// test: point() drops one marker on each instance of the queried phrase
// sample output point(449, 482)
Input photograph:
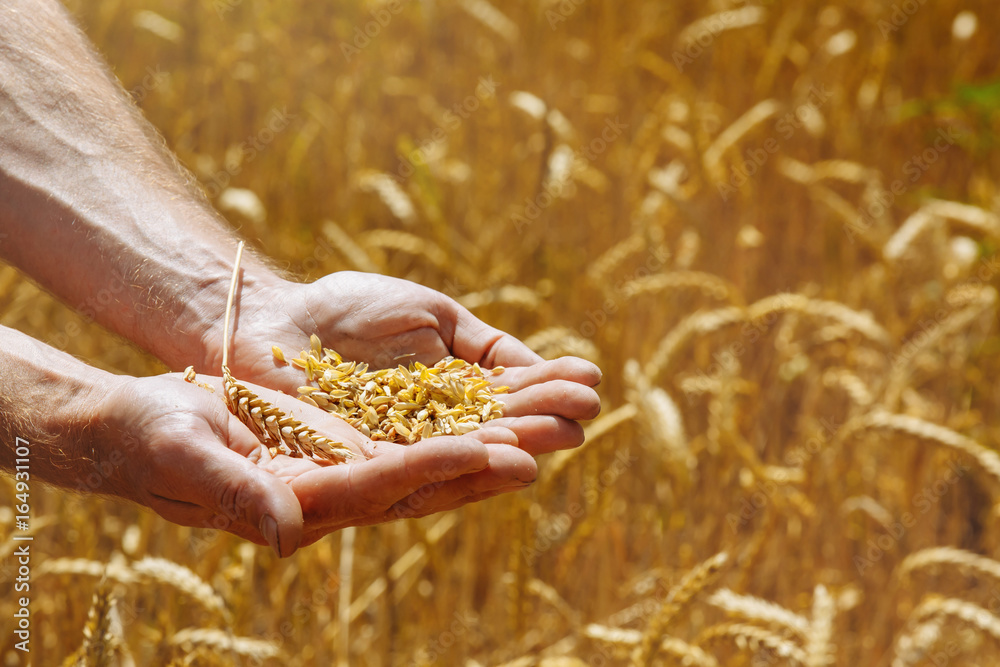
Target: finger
point(224, 482)
point(495, 432)
point(571, 369)
point(364, 488)
point(542, 434)
point(476, 341)
point(508, 467)
point(571, 400)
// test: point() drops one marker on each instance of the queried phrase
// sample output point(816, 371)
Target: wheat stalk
point(754, 638)
point(819, 646)
point(222, 642)
point(938, 607)
point(964, 561)
point(756, 609)
point(182, 579)
point(679, 597)
point(708, 284)
point(912, 646)
point(988, 459)
point(687, 654)
point(100, 646)
point(270, 424)
point(555, 342)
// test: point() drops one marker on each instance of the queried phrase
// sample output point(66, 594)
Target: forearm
point(94, 208)
point(48, 398)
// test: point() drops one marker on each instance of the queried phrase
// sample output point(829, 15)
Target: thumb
point(220, 488)
point(245, 494)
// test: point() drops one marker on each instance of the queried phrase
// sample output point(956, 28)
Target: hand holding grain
point(386, 321)
point(194, 463)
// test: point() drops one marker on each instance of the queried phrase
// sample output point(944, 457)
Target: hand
point(387, 321)
point(175, 447)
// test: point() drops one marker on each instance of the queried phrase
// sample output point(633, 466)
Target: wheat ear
point(272, 427)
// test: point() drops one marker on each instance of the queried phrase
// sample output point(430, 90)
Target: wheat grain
point(402, 404)
point(222, 642)
point(687, 654)
point(754, 638)
point(708, 284)
point(491, 17)
point(660, 413)
point(988, 459)
point(819, 646)
point(869, 506)
point(677, 599)
point(936, 210)
point(388, 190)
point(913, 646)
point(756, 115)
point(966, 562)
point(555, 342)
point(411, 244)
point(354, 253)
point(511, 295)
point(976, 616)
point(100, 646)
point(756, 609)
point(181, 578)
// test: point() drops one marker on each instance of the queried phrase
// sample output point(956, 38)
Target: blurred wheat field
point(775, 228)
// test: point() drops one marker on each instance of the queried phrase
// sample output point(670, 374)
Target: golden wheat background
point(773, 226)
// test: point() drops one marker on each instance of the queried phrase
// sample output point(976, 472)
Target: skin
point(99, 213)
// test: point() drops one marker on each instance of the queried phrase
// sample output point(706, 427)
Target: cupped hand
point(386, 321)
point(178, 450)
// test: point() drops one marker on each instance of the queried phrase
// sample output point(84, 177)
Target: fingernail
point(269, 529)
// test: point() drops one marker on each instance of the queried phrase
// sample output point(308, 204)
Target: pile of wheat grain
point(401, 404)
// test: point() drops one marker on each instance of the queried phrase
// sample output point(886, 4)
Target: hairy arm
point(93, 206)
point(46, 398)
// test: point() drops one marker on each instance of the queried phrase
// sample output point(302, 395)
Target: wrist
point(197, 337)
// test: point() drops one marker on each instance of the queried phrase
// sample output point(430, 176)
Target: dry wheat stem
point(281, 432)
